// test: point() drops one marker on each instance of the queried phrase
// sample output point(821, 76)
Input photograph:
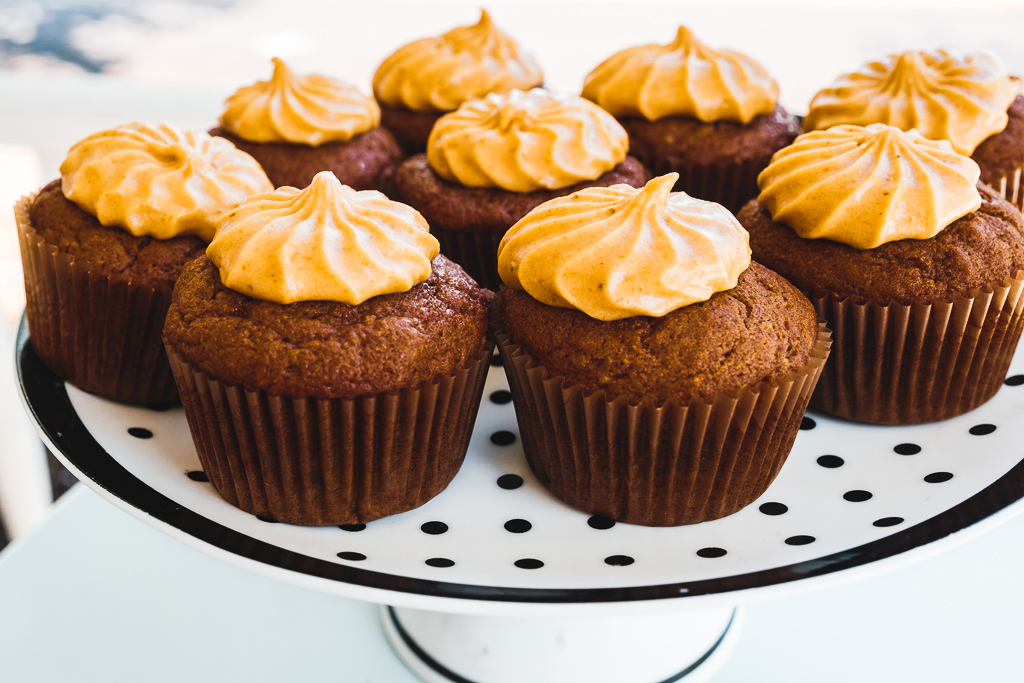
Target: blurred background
point(70, 68)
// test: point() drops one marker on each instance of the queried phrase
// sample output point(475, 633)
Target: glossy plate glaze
point(850, 497)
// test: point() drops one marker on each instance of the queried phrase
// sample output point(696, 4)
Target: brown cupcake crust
point(366, 162)
point(759, 330)
point(454, 207)
point(977, 250)
point(1002, 155)
point(410, 128)
point(146, 261)
point(328, 349)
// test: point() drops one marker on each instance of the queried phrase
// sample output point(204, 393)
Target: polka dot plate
point(849, 496)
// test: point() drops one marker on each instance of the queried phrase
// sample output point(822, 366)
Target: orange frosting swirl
point(526, 141)
point(683, 78)
point(326, 242)
point(466, 63)
point(616, 252)
point(945, 95)
point(868, 186)
point(308, 110)
point(159, 180)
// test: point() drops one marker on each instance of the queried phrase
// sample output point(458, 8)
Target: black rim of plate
point(50, 405)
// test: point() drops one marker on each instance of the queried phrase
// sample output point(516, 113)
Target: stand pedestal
point(442, 648)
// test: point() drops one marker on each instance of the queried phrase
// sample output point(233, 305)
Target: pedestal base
point(445, 648)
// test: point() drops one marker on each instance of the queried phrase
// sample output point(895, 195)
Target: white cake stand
point(496, 581)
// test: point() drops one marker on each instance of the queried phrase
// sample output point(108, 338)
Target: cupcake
point(330, 363)
point(915, 265)
point(103, 245)
point(659, 375)
point(493, 160)
point(712, 116)
point(297, 126)
point(966, 98)
point(428, 78)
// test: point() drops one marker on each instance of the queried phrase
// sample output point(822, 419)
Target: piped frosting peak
point(326, 242)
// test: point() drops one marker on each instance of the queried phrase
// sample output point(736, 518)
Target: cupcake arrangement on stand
point(330, 339)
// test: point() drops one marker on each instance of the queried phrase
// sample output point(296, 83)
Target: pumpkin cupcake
point(711, 116)
point(917, 267)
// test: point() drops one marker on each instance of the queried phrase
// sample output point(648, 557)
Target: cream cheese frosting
point(308, 110)
point(683, 78)
point(468, 62)
point(159, 180)
point(326, 242)
point(865, 186)
point(526, 141)
point(616, 252)
point(944, 94)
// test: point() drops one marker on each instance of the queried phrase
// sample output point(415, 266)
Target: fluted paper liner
point(330, 461)
point(656, 465)
point(100, 333)
point(1011, 187)
point(730, 184)
point(923, 362)
point(475, 251)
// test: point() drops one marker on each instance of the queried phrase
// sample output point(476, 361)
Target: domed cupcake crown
point(868, 186)
point(468, 62)
point(159, 180)
point(309, 110)
point(326, 242)
point(683, 78)
point(945, 95)
point(526, 141)
point(616, 252)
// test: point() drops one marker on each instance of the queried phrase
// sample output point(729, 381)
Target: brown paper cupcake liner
point(100, 333)
point(656, 465)
point(330, 461)
point(1011, 187)
point(923, 362)
point(476, 252)
point(731, 185)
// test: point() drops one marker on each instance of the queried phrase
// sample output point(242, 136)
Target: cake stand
point(496, 581)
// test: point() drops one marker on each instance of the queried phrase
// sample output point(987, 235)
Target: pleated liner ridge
point(658, 466)
point(730, 184)
point(100, 333)
point(1011, 187)
point(331, 461)
point(928, 361)
point(475, 251)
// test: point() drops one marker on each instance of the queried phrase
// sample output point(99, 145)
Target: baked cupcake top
point(326, 242)
point(617, 252)
point(468, 62)
point(944, 94)
point(308, 110)
point(683, 78)
point(865, 186)
point(158, 180)
point(526, 141)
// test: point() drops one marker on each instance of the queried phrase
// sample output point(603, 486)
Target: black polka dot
point(441, 562)
point(907, 449)
point(773, 509)
point(510, 481)
point(857, 496)
point(268, 520)
point(619, 560)
point(160, 407)
point(518, 526)
point(197, 475)
point(348, 555)
point(711, 552)
point(831, 461)
point(503, 438)
point(938, 477)
point(434, 528)
point(599, 522)
point(351, 527)
point(888, 521)
point(529, 563)
point(982, 429)
point(807, 423)
point(140, 432)
point(800, 540)
point(501, 397)
point(1015, 380)
point(496, 360)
